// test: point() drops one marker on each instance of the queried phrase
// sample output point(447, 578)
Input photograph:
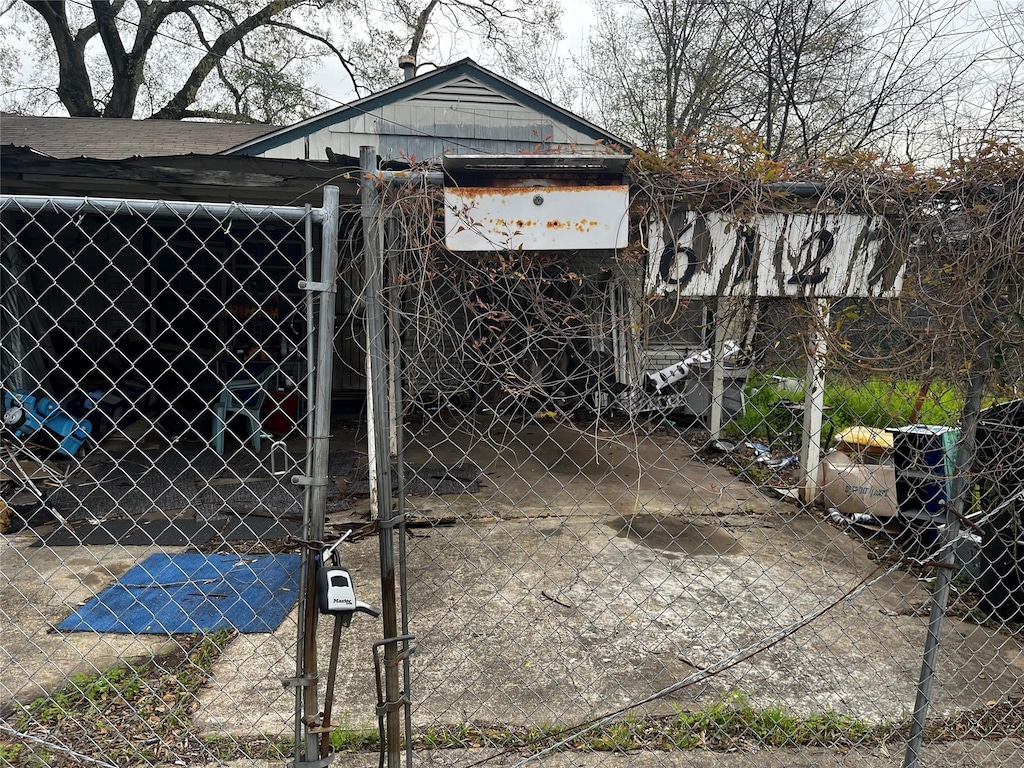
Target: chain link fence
point(157, 387)
point(626, 549)
point(606, 522)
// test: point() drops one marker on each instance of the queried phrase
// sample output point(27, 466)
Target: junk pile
point(36, 429)
point(905, 475)
point(26, 414)
point(72, 426)
point(882, 476)
point(25, 481)
point(676, 372)
point(687, 387)
point(1000, 473)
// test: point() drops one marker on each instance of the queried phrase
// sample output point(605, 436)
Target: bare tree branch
point(186, 95)
point(339, 54)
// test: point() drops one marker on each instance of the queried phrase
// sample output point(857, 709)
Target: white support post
point(721, 321)
point(814, 399)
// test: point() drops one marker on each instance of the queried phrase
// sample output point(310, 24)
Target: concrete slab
point(590, 570)
point(533, 622)
point(40, 587)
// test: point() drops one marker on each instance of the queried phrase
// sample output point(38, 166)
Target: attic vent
point(464, 91)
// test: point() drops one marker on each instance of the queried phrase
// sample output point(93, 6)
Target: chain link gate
point(165, 408)
point(601, 567)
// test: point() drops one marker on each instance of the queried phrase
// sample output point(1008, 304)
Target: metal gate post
point(380, 497)
point(959, 493)
point(316, 480)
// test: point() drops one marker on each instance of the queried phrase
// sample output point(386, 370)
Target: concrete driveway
point(588, 572)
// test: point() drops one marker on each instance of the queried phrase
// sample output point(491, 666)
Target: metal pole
point(317, 478)
point(178, 208)
point(966, 445)
point(300, 643)
point(373, 247)
point(371, 436)
point(394, 348)
point(380, 498)
point(395, 293)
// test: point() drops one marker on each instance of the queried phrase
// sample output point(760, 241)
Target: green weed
point(110, 713)
point(871, 403)
point(83, 695)
point(735, 721)
point(354, 739)
point(621, 736)
point(451, 737)
point(10, 752)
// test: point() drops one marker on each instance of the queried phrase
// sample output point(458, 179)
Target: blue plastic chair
point(243, 395)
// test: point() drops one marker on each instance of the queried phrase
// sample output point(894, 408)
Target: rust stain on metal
point(504, 223)
point(580, 226)
point(541, 216)
point(473, 193)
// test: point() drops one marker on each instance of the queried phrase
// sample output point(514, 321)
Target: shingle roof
point(118, 138)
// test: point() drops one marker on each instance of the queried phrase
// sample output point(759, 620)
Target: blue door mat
point(188, 593)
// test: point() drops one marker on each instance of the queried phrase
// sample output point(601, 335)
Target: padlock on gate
point(336, 595)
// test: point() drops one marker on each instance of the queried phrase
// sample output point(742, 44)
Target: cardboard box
point(854, 486)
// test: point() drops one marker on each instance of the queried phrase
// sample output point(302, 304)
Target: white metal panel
point(366, 123)
point(536, 218)
point(349, 144)
point(405, 118)
point(340, 143)
point(777, 254)
point(293, 150)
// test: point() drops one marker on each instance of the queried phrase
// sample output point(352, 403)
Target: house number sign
point(777, 254)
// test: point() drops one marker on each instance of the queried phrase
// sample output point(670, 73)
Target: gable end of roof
point(459, 81)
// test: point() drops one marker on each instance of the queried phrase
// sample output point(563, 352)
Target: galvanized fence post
point(317, 480)
point(946, 565)
point(380, 493)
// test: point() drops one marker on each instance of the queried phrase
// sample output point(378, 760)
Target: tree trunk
point(74, 89)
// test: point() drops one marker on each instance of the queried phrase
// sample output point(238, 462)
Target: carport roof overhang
point(192, 178)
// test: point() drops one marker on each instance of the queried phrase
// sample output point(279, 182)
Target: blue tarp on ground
point(186, 593)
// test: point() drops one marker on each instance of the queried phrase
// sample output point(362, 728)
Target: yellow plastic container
point(870, 440)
